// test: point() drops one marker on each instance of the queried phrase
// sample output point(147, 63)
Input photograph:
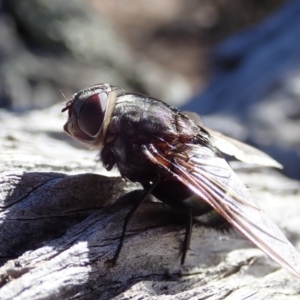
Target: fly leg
point(187, 236)
point(146, 193)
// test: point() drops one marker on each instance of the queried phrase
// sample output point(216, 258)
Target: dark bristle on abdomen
point(214, 221)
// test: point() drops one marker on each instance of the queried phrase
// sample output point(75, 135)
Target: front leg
point(146, 193)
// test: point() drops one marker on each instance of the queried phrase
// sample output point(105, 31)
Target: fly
point(179, 161)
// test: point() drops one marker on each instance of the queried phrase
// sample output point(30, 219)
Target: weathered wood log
point(39, 202)
point(58, 230)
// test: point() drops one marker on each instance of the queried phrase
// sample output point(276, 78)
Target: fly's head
point(89, 113)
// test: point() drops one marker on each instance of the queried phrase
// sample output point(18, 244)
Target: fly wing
point(233, 147)
point(209, 176)
point(242, 151)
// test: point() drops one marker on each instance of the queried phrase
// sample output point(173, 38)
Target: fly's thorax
point(144, 117)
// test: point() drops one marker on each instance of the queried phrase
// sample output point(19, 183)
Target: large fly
point(177, 160)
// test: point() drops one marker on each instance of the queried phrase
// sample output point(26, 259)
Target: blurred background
point(236, 63)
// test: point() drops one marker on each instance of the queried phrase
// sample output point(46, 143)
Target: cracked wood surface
point(59, 225)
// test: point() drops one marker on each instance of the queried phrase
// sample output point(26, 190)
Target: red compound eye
point(92, 112)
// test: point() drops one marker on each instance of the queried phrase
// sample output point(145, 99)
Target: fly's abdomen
point(182, 198)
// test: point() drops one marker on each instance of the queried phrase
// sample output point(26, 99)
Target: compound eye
point(92, 112)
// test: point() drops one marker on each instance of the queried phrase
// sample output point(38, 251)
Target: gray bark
point(60, 225)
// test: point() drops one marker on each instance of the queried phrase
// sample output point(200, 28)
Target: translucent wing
point(210, 177)
point(239, 150)
point(242, 151)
